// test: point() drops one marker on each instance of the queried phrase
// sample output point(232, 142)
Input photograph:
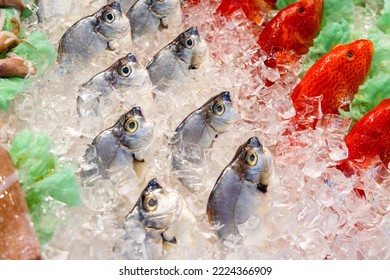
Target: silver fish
point(198, 132)
point(238, 192)
point(92, 35)
point(173, 62)
point(124, 74)
point(122, 144)
point(162, 216)
point(149, 16)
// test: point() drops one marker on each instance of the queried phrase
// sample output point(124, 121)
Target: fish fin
point(262, 188)
point(163, 24)
point(136, 159)
point(172, 240)
point(110, 47)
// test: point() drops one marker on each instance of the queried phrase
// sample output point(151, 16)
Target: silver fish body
point(238, 192)
point(173, 63)
point(149, 16)
point(122, 144)
point(92, 35)
point(197, 132)
point(124, 74)
point(163, 218)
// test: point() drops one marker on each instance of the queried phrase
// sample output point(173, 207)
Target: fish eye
point(189, 43)
point(150, 203)
point(219, 108)
point(251, 158)
point(109, 16)
point(350, 55)
point(301, 10)
point(124, 70)
point(131, 125)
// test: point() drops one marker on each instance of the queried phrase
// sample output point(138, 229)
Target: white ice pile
point(314, 212)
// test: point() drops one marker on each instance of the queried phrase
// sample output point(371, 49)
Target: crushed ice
point(314, 212)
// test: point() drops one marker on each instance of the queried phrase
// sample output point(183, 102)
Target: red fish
point(291, 33)
point(254, 10)
point(331, 83)
point(369, 139)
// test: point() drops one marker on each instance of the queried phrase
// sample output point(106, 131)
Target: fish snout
point(369, 45)
point(366, 49)
point(152, 185)
point(225, 95)
point(116, 6)
point(131, 58)
point(136, 111)
point(254, 142)
point(319, 7)
point(193, 31)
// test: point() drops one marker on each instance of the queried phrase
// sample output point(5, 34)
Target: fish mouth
point(254, 142)
point(319, 6)
point(153, 221)
point(370, 46)
point(136, 111)
point(367, 47)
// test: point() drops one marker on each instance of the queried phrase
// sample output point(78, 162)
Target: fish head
point(165, 8)
point(220, 112)
point(308, 17)
point(128, 73)
point(351, 62)
point(254, 163)
point(191, 48)
point(332, 82)
point(294, 28)
point(112, 22)
point(159, 208)
point(133, 131)
point(304, 18)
